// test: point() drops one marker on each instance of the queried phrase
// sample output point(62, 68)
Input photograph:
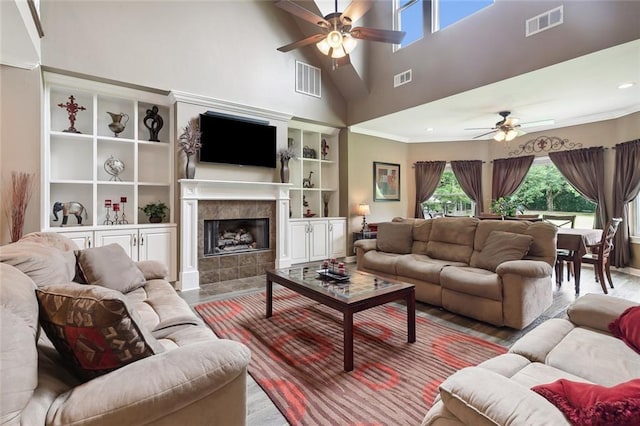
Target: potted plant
point(285, 155)
point(505, 206)
point(155, 211)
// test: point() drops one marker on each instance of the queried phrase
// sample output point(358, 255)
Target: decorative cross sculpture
point(72, 109)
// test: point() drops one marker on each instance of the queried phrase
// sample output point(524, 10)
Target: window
point(545, 190)
point(634, 219)
point(409, 17)
point(449, 198)
point(447, 12)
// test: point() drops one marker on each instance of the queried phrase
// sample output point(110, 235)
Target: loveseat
point(495, 271)
point(580, 349)
point(76, 351)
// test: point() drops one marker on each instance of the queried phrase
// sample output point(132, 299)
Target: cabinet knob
point(89, 242)
point(135, 241)
point(141, 240)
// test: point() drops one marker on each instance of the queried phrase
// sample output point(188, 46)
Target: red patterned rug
point(297, 358)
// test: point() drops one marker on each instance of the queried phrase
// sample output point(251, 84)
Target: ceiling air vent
point(544, 21)
point(308, 80)
point(402, 78)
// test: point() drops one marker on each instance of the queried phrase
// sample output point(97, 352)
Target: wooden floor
point(262, 412)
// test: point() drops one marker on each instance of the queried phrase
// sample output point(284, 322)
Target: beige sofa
point(580, 348)
point(192, 378)
point(444, 258)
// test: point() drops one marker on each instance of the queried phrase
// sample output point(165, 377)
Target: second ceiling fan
point(337, 36)
point(508, 128)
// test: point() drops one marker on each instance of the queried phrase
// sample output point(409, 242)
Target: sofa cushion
point(18, 336)
point(421, 267)
point(93, 328)
point(472, 281)
point(42, 263)
point(452, 238)
point(380, 261)
point(421, 232)
point(501, 247)
point(627, 327)
point(109, 266)
point(395, 237)
point(588, 403)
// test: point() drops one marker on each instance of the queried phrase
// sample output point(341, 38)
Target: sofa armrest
point(157, 387)
point(525, 268)
point(153, 270)
point(366, 245)
point(482, 397)
point(597, 310)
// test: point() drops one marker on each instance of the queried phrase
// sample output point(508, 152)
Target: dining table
point(577, 241)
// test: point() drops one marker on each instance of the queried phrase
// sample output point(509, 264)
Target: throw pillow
point(93, 328)
point(110, 266)
point(502, 246)
point(395, 237)
point(627, 327)
point(587, 403)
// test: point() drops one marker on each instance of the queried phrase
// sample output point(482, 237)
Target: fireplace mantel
point(193, 190)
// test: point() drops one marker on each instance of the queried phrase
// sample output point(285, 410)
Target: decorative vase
point(155, 219)
point(190, 168)
point(326, 209)
point(117, 126)
point(284, 170)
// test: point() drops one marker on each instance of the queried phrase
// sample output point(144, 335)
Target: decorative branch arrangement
point(16, 201)
point(545, 143)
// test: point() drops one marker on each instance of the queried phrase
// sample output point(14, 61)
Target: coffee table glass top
point(359, 285)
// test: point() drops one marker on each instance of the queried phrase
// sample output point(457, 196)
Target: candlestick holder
point(123, 219)
point(107, 219)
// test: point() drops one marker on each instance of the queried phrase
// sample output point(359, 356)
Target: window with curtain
point(545, 191)
point(409, 17)
point(449, 198)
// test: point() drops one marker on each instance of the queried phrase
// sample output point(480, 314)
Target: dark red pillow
point(627, 327)
point(590, 404)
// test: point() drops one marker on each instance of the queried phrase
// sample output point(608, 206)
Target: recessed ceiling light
point(429, 129)
point(626, 85)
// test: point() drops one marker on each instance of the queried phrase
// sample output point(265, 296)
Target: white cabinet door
point(157, 244)
point(83, 239)
point(318, 239)
point(337, 238)
point(127, 239)
point(299, 241)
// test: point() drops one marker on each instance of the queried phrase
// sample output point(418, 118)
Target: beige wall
point(20, 118)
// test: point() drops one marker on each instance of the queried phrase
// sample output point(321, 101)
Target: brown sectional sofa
point(195, 379)
point(580, 349)
point(444, 258)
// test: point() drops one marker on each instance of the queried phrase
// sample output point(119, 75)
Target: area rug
point(297, 358)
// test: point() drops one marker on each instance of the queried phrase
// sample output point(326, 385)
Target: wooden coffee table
point(362, 291)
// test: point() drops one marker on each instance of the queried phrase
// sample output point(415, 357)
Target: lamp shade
point(511, 135)
point(500, 136)
point(363, 209)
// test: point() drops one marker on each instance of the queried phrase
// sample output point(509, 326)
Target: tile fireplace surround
point(217, 199)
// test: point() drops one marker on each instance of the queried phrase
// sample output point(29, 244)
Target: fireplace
point(233, 236)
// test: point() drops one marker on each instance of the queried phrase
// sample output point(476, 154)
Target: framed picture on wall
point(386, 181)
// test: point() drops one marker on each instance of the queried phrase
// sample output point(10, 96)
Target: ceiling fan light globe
point(500, 136)
point(338, 53)
point(323, 46)
point(334, 39)
point(349, 43)
point(511, 135)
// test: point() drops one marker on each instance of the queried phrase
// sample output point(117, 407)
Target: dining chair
point(599, 255)
point(565, 221)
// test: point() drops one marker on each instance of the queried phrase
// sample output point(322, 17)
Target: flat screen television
point(231, 140)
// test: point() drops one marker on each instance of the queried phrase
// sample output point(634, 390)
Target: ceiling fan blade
point(301, 43)
point(484, 134)
point(303, 13)
point(373, 34)
point(355, 11)
point(548, 122)
point(480, 128)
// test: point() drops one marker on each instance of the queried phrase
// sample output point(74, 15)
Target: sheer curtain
point(584, 169)
point(626, 187)
point(508, 174)
point(428, 174)
point(469, 175)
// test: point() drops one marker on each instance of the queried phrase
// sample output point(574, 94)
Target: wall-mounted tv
point(235, 140)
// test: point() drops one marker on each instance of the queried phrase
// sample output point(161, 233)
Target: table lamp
point(363, 210)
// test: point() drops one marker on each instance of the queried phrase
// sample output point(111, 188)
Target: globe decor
point(114, 167)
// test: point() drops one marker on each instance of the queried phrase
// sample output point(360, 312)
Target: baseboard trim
point(629, 270)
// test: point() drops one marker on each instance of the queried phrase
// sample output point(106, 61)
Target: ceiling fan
point(337, 38)
point(508, 128)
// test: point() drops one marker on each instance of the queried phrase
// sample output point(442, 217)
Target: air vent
point(544, 21)
point(308, 80)
point(402, 78)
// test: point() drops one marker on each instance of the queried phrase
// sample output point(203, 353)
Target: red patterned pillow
point(590, 404)
point(627, 327)
point(93, 328)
